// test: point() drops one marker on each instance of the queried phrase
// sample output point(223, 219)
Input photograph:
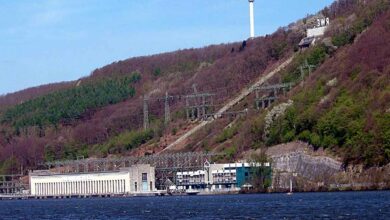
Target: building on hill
point(312, 34)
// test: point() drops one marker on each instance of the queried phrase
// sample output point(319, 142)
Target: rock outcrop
point(311, 170)
point(307, 169)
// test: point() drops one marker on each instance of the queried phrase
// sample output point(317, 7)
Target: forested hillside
point(342, 105)
point(69, 104)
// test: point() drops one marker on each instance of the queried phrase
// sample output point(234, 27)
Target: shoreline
point(227, 193)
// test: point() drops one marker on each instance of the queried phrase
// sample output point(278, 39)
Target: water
point(337, 205)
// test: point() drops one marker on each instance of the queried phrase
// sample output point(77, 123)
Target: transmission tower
point(196, 102)
point(167, 111)
point(305, 66)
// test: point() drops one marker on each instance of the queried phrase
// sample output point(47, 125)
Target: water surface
point(335, 205)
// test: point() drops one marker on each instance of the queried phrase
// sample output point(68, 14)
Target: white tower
point(252, 19)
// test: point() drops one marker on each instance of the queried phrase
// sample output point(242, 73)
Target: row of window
point(216, 179)
point(81, 187)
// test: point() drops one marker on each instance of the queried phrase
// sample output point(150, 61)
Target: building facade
point(124, 181)
point(142, 178)
point(230, 176)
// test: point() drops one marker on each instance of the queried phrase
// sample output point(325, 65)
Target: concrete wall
point(316, 32)
point(210, 175)
point(79, 184)
point(136, 173)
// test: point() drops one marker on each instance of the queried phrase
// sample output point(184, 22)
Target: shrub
point(135, 77)
point(313, 56)
point(125, 141)
point(157, 72)
point(230, 152)
point(174, 131)
point(227, 134)
point(304, 136)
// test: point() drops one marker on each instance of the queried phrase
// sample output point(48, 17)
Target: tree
point(261, 173)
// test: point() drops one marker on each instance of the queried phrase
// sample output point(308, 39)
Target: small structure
point(12, 184)
point(134, 179)
point(142, 178)
point(314, 33)
point(307, 42)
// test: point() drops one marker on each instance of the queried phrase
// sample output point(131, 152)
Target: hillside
point(342, 105)
point(95, 117)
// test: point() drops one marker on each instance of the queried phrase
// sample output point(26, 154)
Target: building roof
point(306, 42)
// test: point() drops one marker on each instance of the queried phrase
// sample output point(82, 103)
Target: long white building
point(135, 179)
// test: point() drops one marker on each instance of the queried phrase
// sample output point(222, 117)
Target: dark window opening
point(144, 177)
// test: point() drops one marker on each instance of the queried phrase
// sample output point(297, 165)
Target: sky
point(46, 41)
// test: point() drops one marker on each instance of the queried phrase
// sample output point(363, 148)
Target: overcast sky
point(44, 41)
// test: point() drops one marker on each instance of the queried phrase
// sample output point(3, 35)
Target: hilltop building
point(312, 34)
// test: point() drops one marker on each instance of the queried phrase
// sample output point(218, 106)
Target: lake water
point(335, 205)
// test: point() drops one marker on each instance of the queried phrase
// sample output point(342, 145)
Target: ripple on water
point(340, 205)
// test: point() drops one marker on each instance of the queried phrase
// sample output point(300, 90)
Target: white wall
point(316, 32)
point(80, 184)
point(44, 183)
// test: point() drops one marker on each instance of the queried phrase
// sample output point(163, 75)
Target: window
point(151, 185)
point(144, 177)
point(135, 186)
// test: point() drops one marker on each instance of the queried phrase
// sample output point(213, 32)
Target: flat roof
point(75, 174)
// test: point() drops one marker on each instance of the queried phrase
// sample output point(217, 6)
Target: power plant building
point(134, 179)
point(230, 176)
point(140, 179)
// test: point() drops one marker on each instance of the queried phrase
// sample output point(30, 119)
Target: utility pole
point(302, 74)
point(146, 113)
point(167, 113)
point(187, 108)
point(203, 106)
point(196, 101)
point(310, 67)
point(307, 65)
